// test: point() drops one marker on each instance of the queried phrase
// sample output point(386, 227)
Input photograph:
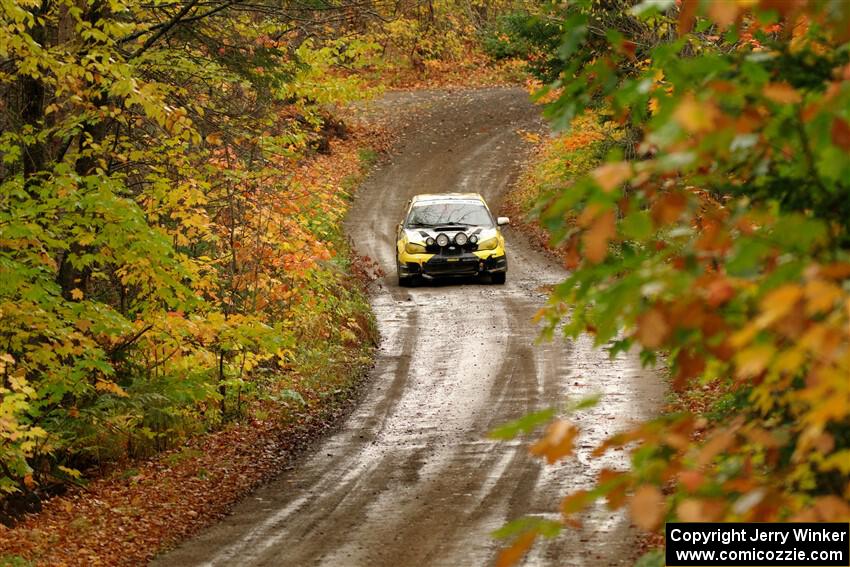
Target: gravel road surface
point(409, 479)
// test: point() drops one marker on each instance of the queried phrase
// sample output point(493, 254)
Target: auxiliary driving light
point(430, 241)
point(461, 238)
point(474, 239)
point(442, 240)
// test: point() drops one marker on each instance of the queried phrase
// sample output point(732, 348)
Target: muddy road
point(410, 479)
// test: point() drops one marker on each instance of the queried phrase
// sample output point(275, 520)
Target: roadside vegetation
point(708, 230)
point(557, 161)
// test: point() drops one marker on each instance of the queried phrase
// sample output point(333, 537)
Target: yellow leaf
point(6, 359)
point(70, 472)
point(778, 303)
point(695, 116)
point(745, 336)
point(531, 137)
point(789, 361)
point(111, 387)
point(753, 360)
point(653, 106)
point(821, 296)
point(77, 294)
point(647, 507)
point(838, 461)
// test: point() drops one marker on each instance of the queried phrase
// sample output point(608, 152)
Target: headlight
point(430, 241)
point(442, 240)
point(474, 239)
point(413, 248)
point(461, 238)
point(489, 244)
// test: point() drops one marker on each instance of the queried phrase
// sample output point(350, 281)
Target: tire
point(498, 278)
point(403, 281)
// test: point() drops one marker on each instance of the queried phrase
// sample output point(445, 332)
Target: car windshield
point(459, 213)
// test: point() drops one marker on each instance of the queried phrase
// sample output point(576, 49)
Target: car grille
point(443, 265)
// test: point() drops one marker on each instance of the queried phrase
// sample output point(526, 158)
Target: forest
point(163, 261)
point(173, 260)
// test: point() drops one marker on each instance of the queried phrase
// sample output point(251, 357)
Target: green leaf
point(525, 424)
point(654, 558)
point(637, 225)
point(541, 526)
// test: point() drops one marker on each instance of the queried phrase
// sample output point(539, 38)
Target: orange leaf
point(716, 445)
point(575, 502)
point(837, 270)
point(647, 507)
point(512, 555)
point(687, 14)
point(723, 13)
point(688, 365)
point(831, 509)
point(783, 93)
point(841, 133)
point(690, 510)
point(628, 48)
point(718, 291)
point(557, 442)
point(652, 328)
point(612, 175)
point(695, 116)
point(668, 208)
point(596, 238)
point(691, 480)
point(701, 510)
point(76, 294)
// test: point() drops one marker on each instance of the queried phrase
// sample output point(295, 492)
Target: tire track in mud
point(410, 478)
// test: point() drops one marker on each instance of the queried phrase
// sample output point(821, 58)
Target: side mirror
point(502, 221)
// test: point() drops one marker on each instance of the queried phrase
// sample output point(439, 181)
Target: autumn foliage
point(714, 240)
point(168, 261)
point(174, 181)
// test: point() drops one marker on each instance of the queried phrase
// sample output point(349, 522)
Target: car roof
point(443, 197)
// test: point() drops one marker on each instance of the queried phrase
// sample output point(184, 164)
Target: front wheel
point(403, 281)
point(498, 278)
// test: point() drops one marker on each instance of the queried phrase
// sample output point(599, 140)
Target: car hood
point(419, 235)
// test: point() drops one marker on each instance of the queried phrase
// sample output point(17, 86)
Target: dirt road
point(409, 479)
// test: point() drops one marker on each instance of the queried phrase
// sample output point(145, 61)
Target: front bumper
point(439, 265)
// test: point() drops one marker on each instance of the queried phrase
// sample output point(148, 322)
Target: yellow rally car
point(450, 234)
